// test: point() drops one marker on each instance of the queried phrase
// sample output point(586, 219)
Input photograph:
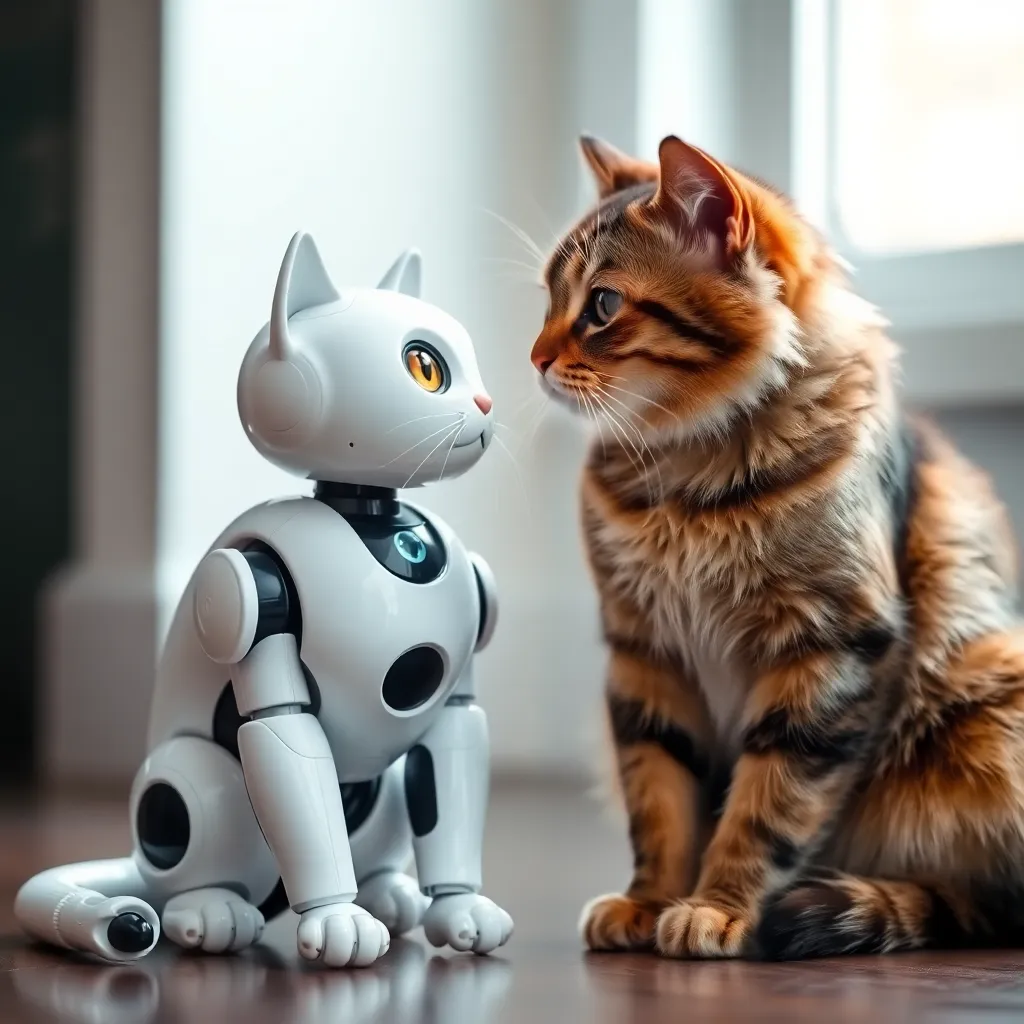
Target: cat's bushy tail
point(840, 914)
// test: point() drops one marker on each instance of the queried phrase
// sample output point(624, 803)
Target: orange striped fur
point(816, 668)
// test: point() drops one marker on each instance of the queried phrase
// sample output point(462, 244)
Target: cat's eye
point(605, 303)
point(425, 367)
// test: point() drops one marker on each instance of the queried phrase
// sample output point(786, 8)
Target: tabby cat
point(816, 678)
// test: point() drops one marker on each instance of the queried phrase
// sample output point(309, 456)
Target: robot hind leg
point(382, 852)
point(199, 846)
point(199, 868)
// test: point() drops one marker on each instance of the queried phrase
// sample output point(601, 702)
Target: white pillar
point(98, 613)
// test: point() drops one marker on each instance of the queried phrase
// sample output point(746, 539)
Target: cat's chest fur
point(683, 589)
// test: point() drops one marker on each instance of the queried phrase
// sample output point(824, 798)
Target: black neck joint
point(358, 499)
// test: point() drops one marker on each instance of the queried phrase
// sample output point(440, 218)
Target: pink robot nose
point(483, 403)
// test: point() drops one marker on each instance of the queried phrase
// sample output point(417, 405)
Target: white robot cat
point(313, 723)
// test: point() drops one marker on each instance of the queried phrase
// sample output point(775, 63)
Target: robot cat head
point(368, 386)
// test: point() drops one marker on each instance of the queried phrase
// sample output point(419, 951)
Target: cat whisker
point(540, 408)
point(423, 440)
point(642, 398)
point(531, 246)
point(519, 478)
point(619, 431)
point(632, 426)
point(642, 469)
point(512, 262)
point(642, 439)
point(553, 231)
point(527, 274)
point(579, 248)
point(593, 416)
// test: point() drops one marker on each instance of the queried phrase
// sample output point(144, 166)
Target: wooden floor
point(548, 850)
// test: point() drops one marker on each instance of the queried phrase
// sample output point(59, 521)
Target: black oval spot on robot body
point(130, 933)
point(162, 825)
point(413, 679)
point(420, 790)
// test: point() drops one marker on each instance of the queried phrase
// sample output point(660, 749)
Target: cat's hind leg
point(838, 914)
point(381, 838)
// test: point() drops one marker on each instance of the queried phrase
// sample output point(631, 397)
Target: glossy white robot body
point(313, 725)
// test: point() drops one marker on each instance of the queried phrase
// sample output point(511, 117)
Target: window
point(929, 123)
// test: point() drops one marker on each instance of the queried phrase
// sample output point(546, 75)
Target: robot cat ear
point(302, 282)
point(404, 274)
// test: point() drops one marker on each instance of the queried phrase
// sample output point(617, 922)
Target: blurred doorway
point(36, 296)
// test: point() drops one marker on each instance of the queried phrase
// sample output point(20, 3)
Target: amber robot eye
point(425, 367)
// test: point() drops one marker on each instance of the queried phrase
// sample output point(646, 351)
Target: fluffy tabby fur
point(816, 680)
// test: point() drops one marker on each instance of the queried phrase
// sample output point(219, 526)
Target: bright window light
point(929, 123)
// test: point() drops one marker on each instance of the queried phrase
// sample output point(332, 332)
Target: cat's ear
point(302, 282)
point(612, 169)
point(701, 194)
point(405, 274)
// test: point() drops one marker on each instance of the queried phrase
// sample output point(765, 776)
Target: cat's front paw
point(702, 931)
point(616, 922)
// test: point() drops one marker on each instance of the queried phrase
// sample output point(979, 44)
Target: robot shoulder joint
point(240, 597)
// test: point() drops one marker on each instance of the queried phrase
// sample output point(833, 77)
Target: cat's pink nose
point(483, 403)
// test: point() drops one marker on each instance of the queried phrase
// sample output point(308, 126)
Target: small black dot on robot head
point(351, 444)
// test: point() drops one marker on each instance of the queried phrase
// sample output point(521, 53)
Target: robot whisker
point(448, 426)
point(451, 448)
point(453, 434)
point(419, 419)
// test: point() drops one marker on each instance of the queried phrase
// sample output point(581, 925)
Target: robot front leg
point(287, 761)
point(293, 786)
point(447, 781)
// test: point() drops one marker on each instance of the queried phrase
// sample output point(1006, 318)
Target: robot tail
point(94, 907)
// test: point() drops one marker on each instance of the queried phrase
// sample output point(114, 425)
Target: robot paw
point(394, 899)
point(214, 920)
point(467, 921)
point(342, 935)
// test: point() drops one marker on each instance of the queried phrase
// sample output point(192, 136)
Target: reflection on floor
point(549, 848)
